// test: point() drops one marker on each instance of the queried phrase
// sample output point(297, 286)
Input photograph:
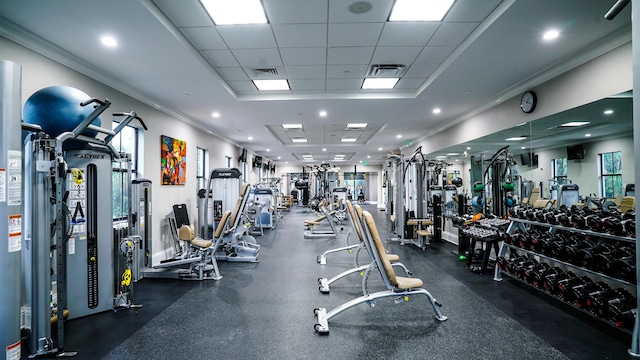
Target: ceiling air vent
point(265, 73)
point(386, 70)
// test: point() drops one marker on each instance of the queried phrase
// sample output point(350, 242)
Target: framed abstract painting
point(173, 162)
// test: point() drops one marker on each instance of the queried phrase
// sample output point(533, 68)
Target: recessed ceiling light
point(225, 12)
point(292, 126)
point(109, 41)
point(299, 140)
point(399, 136)
point(420, 10)
point(468, 147)
point(216, 114)
point(379, 149)
point(271, 85)
point(436, 111)
point(523, 147)
point(587, 135)
point(324, 149)
point(516, 138)
point(356, 125)
point(322, 113)
point(379, 83)
point(550, 35)
point(307, 156)
point(286, 162)
point(268, 150)
point(349, 140)
point(279, 157)
point(250, 138)
point(368, 156)
point(339, 155)
point(453, 154)
point(608, 112)
point(574, 123)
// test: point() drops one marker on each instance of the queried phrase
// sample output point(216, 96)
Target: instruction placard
point(14, 178)
point(13, 351)
point(15, 232)
point(3, 185)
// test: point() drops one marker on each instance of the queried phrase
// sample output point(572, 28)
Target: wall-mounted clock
point(528, 102)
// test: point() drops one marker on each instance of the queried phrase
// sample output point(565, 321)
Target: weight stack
point(10, 208)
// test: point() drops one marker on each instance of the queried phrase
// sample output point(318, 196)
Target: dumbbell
point(506, 238)
point(578, 221)
point(524, 267)
point(620, 309)
point(565, 287)
point(604, 259)
point(542, 242)
point(520, 240)
point(597, 300)
point(512, 265)
point(529, 273)
point(630, 228)
point(550, 282)
point(586, 257)
point(502, 263)
point(625, 268)
point(595, 223)
point(580, 292)
point(556, 245)
point(538, 277)
point(570, 250)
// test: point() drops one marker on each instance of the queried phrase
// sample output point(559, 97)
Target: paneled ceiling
point(172, 57)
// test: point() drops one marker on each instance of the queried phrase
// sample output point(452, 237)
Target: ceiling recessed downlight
point(574, 123)
point(550, 35)
point(225, 12)
point(437, 111)
point(299, 140)
point(608, 112)
point(322, 113)
point(420, 10)
point(379, 83)
point(109, 41)
point(216, 114)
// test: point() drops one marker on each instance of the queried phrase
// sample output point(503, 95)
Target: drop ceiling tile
point(305, 72)
point(306, 85)
point(452, 34)
point(184, 13)
point(258, 57)
point(407, 33)
point(420, 70)
point(204, 38)
point(395, 55)
point(349, 55)
point(344, 84)
point(220, 58)
point(471, 10)
point(346, 71)
point(339, 11)
point(232, 73)
point(280, 73)
point(243, 87)
point(434, 54)
point(304, 56)
point(409, 83)
point(300, 35)
point(354, 34)
point(296, 12)
point(256, 36)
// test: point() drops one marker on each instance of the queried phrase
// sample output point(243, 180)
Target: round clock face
point(528, 102)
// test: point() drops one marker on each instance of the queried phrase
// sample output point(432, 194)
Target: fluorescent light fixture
point(574, 123)
point(399, 136)
point(516, 138)
point(356, 125)
point(109, 41)
point(250, 138)
point(299, 140)
point(271, 85)
point(292, 126)
point(379, 83)
point(550, 35)
point(523, 147)
point(453, 154)
point(225, 12)
point(268, 150)
point(307, 156)
point(468, 147)
point(420, 10)
point(349, 140)
point(608, 112)
point(340, 156)
point(379, 149)
point(587, 135)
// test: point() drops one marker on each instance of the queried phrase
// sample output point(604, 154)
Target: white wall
point(39, 72)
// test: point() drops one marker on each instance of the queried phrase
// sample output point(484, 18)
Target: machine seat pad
point(185, 233)
point(393, 257)
point(201, 243)
point(311, 222)
point(405, 283)
point(423, 232)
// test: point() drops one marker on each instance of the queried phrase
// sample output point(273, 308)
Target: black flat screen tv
point(575, 152)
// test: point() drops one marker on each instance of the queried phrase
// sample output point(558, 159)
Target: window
point(227, 161)
point(244, 171)
point(202, 167)
point(125, 142)
point(610, 169)
point(559, 170)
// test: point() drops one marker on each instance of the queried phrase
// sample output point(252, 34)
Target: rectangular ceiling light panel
point(271, 85)
point(379, 83)
point(235, 12)
point(420, 10)
point(292, 126)
point(356, 125)
point(299, 140)
point(349, 139)
point(574, 123)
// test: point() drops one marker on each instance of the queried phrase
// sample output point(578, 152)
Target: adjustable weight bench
point(401, 288)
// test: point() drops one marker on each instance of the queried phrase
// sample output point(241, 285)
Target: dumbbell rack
point(517, 223)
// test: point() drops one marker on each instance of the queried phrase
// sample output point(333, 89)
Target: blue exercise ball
point(57, 110)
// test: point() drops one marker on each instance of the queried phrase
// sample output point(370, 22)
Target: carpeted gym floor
point(265, 311)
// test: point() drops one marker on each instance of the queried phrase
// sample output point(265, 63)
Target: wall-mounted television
point(529, 159)
point(575, 152)
point(257, 161)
